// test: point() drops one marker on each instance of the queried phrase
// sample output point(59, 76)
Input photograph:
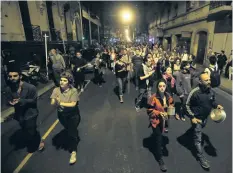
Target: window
point(189, 5)
point(168, 14)
point(176, 9)
point(201, 3)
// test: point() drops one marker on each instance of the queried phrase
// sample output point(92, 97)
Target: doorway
point(169, 43)
point(202, 41)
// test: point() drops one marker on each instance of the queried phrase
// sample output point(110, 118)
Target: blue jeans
point(136, 77)
point(142, 93)
point(121, 85)
point(197, 137)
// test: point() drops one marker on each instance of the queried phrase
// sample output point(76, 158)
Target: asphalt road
point(116, 139)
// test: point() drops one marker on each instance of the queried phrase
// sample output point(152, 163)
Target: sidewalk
point(8, 110)
point(226, 85)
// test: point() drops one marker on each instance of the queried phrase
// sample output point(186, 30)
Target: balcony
point(219, 9)
point(36, 31)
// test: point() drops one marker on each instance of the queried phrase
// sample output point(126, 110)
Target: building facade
point(30, 20)
point(197, 25)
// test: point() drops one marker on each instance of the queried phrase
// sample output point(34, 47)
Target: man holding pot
point(200, 102)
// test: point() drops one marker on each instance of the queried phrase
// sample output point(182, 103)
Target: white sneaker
point(82, 90)
point(137, 108)
point(73, 157)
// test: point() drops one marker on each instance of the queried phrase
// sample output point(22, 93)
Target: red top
point(156, 106)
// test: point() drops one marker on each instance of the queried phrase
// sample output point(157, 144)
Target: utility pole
point(46, 55)
point(81, 22)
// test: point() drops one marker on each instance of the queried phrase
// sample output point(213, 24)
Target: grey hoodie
point(183, 83)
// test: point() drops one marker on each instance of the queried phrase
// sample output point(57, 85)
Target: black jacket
point(27, 106)
point(200, 103)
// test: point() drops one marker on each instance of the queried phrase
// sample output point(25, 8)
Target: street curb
point(6, 113)
point(227, 90)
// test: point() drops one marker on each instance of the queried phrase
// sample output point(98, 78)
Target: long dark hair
point(161, 80)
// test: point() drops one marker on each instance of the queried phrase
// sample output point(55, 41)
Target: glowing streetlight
point(126, 16)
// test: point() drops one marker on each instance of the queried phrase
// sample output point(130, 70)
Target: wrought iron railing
point(57, 34)
point(216, 4)
point(69, 36)
point(36, 32)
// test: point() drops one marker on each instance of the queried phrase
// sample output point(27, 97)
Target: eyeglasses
point(162, 86)
point(10, 76)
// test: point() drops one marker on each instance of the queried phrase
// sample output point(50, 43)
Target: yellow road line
point(25, 160)
point(50, 129)
point(28, 156)
point(23, 163)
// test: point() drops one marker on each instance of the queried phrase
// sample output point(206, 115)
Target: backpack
point(214, 77)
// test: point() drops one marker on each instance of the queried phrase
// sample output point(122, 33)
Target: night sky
point(108, 11)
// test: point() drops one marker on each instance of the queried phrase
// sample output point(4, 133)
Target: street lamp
point(126, 16)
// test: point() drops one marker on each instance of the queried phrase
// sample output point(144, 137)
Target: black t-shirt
point(105, 57)
point(142, 83)
point(78, 62)
point(122, 74)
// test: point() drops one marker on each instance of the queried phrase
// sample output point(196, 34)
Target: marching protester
point(183, 86)
point(222, 60)
point(23, 97)
point(137, 61)
point(213, 72)
point(195, 73)
point(176, 67)
point(170, 80)
point(98, 71)
point(228, 69)
point(157, 111)
point(66, 98)
point(113, 57)
point(58, 65)
point(106, 58)
point(199, 104)
point(127, 60)
point(121, 75)
point(79, 64)
point(145, 74)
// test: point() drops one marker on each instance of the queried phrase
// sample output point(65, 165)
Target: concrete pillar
point(164, 43)
point(174, 41)
point(98, 33)
point(74, 30)
point(90, 38)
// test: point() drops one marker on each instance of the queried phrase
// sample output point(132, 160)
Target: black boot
point(162, 165)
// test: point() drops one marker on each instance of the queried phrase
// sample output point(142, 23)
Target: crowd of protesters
point(170, 72)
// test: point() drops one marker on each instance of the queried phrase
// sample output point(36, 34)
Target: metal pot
point(171, 111)
point(218, 115)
